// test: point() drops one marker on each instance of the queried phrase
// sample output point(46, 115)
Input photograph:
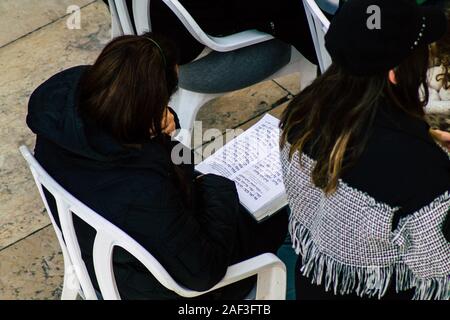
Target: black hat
point(372, 36)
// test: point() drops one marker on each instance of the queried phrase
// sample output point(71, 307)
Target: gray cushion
point(228, 71)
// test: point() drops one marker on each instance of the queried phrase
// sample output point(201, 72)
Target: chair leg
point(116, 29)
point(69, 291)
point(271, 284)
point(71, 285)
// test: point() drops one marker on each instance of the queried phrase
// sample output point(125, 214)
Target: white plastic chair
point(318, 25)
point(270, 271)
point(187, 103)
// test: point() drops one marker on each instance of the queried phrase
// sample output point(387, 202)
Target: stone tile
point(276, 112)
point(291, 83)
point(28, 63)
point(296, 81)
point(32, 268)
point(20, 17)
point(233, 109)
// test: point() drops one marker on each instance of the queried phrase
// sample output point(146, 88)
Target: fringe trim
point(426, 289)
point(367, 281)
point(432, 206)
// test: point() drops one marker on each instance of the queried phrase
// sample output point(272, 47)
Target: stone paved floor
point(34, 44)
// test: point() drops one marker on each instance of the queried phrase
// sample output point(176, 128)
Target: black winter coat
point(136, 190)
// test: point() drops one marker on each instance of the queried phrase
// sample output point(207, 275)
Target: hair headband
point(159, 48)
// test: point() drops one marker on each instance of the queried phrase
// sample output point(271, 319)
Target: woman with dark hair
point(103, 132)
point(368, 187)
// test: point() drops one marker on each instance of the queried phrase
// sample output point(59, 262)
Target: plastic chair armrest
point(222, 44)
point(239, 40)
point(271, 273)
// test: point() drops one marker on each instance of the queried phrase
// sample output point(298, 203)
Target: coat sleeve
point(195, 247)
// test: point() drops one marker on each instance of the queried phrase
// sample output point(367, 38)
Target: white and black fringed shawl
point(349, 234)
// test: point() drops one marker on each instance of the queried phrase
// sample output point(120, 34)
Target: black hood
point(53, 115)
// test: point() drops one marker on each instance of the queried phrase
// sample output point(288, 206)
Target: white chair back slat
point(318, 25)
point(116, 27)
point(124, 17)
point(70, 239)
point(71, 286)
point(42, 179)
point(47, 207)
point(68, 265)
point(103, 265)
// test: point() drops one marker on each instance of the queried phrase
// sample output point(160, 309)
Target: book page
point(260, 183)
point(252, 161)
point(250, 147)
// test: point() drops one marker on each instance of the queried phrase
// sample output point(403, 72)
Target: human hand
point(441, 136)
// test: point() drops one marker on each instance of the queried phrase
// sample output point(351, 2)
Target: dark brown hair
point(128, 88)
point(333, 116)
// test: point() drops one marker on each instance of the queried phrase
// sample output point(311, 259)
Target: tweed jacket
point(387, 222)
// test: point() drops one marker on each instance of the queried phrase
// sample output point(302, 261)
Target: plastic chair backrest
point(108, 236)
point(141, 14)
point(120, 10)
point(318, 25)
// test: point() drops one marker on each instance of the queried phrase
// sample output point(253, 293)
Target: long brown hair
point(333, 116)
point(128, 88)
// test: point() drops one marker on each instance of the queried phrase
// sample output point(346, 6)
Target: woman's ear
point(392, 77)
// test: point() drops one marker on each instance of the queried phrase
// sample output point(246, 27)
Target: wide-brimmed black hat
point(367, 37)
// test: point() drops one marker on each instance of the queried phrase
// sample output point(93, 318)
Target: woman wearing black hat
point(369, 189)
